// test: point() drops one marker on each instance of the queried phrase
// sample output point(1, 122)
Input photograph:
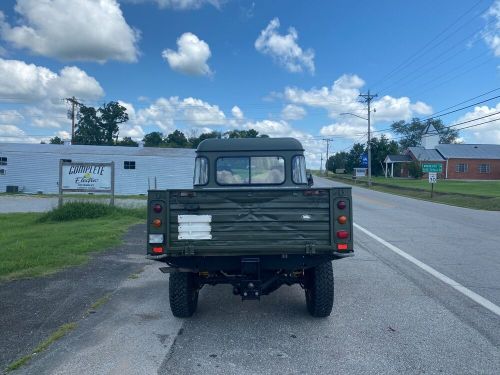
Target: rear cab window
point(254, 170)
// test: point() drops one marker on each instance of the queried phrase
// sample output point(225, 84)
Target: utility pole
point(327, 140)
point(321, 165)
point(367, 99)
point(74, 102)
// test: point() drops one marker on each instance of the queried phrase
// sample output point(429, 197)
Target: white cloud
point(284, 48)
point(10, 130)
point(83, 30)
point(491, 35)
point(64, 135)
point(487, 133)
point(10, 116)
point(31, 83)
point(165, 113)
point(293, 112)
point(343, 97)
point(237, 113)
point(181, 4)
point(130, 128)
point(200, 113)
point(421, 108)
point(352, 130)
point(191, 56)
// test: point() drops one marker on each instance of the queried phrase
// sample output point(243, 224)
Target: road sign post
point(432, 181)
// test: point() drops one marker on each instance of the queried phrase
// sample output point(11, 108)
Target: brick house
point(459, 161)
point(471, 162)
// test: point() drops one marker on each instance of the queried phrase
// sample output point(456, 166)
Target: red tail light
point(341, 205)
point(157, 208)
point(342, 246)
point(158, 250)
point(343, 234)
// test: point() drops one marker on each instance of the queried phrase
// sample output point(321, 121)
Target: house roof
point(250, 144)
point(99, 150)
point(422, 154)
point(397, 159)
point(469, 151)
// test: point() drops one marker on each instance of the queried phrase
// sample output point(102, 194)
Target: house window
point(484, 168)
point(3, 172)
point(3, 160)
point(129, 165)
point(461, 168)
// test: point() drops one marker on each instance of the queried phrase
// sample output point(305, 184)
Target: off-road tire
point(183, 290)
point(319, 290)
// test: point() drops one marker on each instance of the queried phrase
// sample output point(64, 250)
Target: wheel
point(183, 290)
point(319, 290)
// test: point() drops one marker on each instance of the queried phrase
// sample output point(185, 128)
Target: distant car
point(252, 220)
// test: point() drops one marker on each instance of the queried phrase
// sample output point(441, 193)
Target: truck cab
point(252, 220)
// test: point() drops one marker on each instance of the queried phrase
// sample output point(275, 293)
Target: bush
point(415, 170)
point(89, 210)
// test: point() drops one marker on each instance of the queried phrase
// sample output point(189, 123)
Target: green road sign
point(435, 167)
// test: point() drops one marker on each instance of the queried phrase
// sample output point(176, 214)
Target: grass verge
point(33, 244)
point(58, 334)
point(456, 193)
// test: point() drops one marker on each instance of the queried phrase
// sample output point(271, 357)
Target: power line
point(465, 101)
point(414, 57)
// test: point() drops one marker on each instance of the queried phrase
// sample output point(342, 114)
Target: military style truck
point(252, 220)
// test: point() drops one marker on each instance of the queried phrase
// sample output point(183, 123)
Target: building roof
point(430, 129)
point(99, 150)
point(250, 144)
point(422, 154)
point(397, 159)
point(469, 151)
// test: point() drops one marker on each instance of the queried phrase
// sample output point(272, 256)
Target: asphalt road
point(390, 315)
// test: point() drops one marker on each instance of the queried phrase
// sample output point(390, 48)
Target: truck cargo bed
point(251, 222)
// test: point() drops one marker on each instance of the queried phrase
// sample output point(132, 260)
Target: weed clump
point(88, 210)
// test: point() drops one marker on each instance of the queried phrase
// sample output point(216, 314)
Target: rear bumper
point(233, 263)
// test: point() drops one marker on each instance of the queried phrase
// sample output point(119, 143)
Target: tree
point(111, 115)
point(153, 139)
point(56, 141)
point(99, 127)
point(381, 147)
point(415, 170)
point(411, 132)
point(176, 139)
point(195, 141)
point(354, 157)
point(127, 141)
point(88, 130)
point(337, 161)
point(250, 133)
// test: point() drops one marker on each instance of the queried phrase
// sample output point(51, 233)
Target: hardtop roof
point(250, 144)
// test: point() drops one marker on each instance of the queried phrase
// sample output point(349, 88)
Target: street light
point(368, 144)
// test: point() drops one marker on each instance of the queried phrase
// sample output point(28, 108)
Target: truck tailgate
point(258, 221)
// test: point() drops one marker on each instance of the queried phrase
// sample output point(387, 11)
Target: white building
point(35, 167)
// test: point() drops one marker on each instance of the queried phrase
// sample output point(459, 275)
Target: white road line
point(445, 279)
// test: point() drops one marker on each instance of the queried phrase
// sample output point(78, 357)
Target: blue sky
point(286, 68)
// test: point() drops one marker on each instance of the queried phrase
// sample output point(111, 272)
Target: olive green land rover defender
point(252, 220)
